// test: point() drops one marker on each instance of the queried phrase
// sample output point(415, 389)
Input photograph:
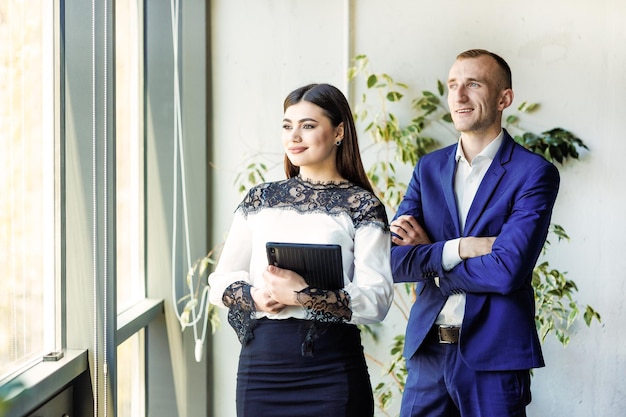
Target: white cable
point(181, 150)
point(179, 154)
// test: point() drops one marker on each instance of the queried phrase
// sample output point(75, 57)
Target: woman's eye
point(307, 126)
point(286, 127)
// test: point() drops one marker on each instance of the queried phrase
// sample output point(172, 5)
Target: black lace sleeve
point(241, 310)
point(325, 306)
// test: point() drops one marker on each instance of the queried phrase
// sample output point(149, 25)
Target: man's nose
point(460, 94)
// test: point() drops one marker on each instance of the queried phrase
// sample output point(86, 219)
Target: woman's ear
point(339, 132)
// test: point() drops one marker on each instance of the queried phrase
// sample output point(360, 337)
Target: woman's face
point(309, 139)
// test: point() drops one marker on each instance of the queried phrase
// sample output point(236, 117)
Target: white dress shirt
point(467, 179)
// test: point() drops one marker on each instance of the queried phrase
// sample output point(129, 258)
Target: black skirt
point(275, 378)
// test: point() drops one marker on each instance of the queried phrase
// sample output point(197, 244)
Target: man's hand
point(283, 284)
point(472, 247)
point(407, 231)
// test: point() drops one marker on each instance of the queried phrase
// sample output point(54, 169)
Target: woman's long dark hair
point(337, 109)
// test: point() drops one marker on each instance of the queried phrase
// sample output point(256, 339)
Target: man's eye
point(472, 85)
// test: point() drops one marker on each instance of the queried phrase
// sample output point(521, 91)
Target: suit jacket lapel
point(489, 184)
point(447, 170)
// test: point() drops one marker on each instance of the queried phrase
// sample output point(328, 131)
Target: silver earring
point(338, 143)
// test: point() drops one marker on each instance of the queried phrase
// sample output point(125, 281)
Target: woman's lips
point(297, 149)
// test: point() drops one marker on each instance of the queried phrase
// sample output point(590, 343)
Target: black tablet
point(319, 264)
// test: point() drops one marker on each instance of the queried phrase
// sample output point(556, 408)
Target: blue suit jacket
point(514, 202)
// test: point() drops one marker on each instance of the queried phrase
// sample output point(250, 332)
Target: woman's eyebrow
point(303, 120)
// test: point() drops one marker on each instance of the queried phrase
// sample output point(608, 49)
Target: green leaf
point(387, 78)
point(371, 81)
point(512, 119)
point(440, 88)
point(394, 96)
point(352, 73)
point(591, 314)
point(532, 107)
point(573, 314)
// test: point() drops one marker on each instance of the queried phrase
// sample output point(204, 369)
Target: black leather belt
point(447, 334)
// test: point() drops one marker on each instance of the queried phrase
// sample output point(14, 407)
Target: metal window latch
point(53, 356)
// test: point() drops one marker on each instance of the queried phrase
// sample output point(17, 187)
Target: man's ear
point(506, 98)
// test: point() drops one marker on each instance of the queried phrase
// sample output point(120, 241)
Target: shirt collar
point(489, 152)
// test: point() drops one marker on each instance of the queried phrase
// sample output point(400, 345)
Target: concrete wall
point(568, 55)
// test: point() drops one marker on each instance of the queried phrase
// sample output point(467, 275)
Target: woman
point(301, 350)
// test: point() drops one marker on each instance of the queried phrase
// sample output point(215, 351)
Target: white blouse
point(299, 211)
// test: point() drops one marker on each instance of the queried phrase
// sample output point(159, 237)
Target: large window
point(129, 152)
point(27, 183)
point(86, 134)
point(129, 139)
point(131, 377)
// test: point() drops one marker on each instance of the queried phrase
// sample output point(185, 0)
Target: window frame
point(80, 222)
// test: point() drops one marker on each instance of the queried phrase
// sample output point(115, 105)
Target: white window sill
point(43, 380)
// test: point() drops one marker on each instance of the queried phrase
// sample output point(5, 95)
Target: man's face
point(476, 95)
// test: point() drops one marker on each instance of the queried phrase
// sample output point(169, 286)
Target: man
point(469, 232)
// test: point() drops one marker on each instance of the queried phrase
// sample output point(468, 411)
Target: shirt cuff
point(450, 256)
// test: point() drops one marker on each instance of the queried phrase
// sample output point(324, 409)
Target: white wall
point(568, 55)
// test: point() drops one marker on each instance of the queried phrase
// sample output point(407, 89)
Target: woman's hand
point(283, 284)
point(264, 302)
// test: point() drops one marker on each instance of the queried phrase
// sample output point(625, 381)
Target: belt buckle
point(443, 328)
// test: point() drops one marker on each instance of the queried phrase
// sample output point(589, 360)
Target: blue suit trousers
point(440, 384)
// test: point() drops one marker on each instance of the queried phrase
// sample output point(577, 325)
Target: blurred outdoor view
point(26, 182)
point(129, 198)
point(28, 175)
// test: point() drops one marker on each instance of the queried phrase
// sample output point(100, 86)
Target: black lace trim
point(323, 308)
point(334, 198)
point(241, 310)
point(326, 306)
